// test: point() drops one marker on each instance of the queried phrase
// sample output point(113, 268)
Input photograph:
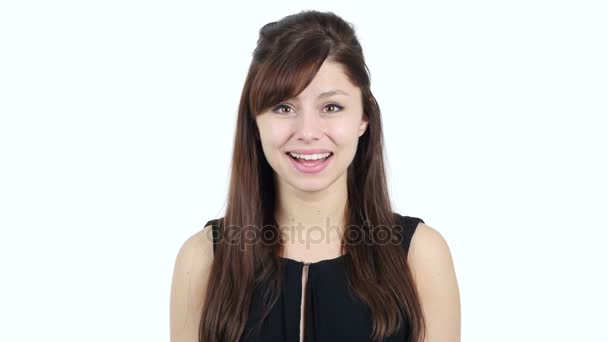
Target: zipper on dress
point(304, 300)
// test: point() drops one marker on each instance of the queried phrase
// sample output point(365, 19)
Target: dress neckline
point(313, 263)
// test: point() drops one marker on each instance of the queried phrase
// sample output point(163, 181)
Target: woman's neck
point(323, 209)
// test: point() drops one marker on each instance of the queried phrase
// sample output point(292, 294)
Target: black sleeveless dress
point(332, 313)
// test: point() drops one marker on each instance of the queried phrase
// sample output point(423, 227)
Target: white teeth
point(310, 156)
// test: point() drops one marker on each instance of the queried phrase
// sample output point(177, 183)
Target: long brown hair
point(289, 53)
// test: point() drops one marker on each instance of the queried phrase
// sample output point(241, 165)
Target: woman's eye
point(337, 107)
point(277, 109)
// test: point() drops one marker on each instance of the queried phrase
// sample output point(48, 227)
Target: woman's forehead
point(330, 80)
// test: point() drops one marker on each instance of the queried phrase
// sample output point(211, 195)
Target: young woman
point(309, 248)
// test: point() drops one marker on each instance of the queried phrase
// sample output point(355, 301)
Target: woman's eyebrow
point(333, 92)
point(325, 94)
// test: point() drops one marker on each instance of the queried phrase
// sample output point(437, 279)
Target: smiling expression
point(325, 120)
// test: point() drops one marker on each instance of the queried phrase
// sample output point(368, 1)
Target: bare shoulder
point(427, 245)
point(195, 254)
point(190, 275)
point(430, 260)
point(201, 241)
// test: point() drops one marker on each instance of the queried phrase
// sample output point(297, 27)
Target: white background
point(117, 119)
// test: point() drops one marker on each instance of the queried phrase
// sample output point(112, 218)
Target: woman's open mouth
point(310, 163)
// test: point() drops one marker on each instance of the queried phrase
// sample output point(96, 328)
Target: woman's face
point(326, 118)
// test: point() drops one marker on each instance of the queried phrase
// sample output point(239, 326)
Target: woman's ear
point(364, 124)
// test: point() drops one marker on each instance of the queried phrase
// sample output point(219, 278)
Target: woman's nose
point(308, 126)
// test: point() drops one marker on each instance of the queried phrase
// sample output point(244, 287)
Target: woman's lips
point(310, 166)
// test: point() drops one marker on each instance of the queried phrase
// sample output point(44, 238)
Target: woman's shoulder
point(423, 241)
point(426, 241)
point(431, 263)
point(430, 257)
point(199, 245)
point(195, 256)
point(190, 276)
